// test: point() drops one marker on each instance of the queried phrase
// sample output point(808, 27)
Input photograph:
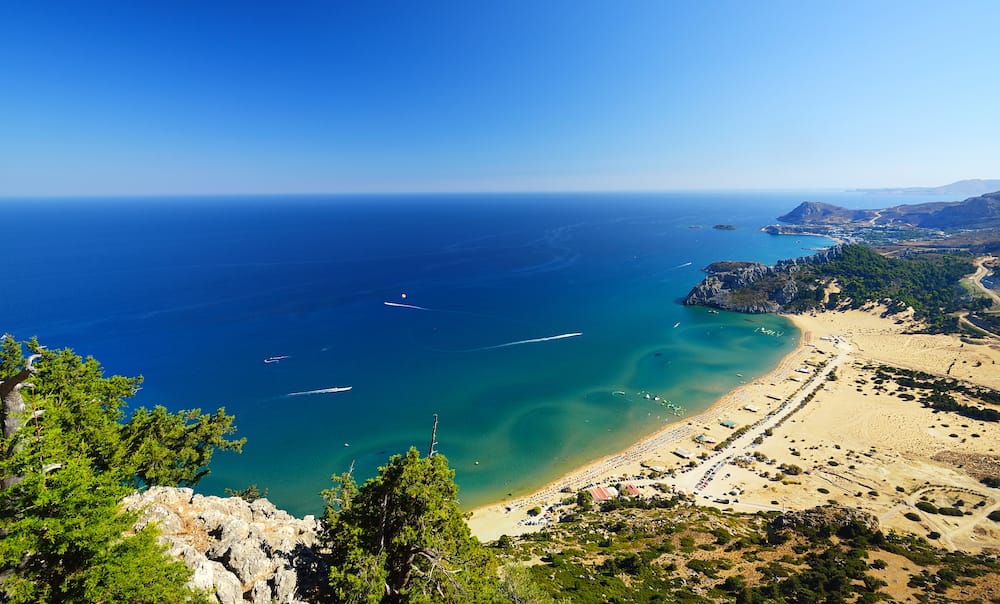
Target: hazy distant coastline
point(972, 186)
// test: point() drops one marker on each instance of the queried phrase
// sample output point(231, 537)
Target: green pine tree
point(401, 537)
point(66, 461)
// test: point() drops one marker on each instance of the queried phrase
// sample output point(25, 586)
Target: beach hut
point(704, 439)
point(728, 423)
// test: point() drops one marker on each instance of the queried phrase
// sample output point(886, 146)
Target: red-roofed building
point(601, 494)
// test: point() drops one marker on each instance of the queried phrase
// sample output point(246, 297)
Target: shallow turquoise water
point(196, 293)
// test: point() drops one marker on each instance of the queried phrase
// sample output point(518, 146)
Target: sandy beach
point(841, 437)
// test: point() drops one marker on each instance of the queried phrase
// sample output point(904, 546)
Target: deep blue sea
point(195, 293)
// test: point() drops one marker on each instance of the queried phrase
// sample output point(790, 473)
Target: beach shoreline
point(486, 519)
point(821, 427)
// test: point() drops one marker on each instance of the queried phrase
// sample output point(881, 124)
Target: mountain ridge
point(981, 212)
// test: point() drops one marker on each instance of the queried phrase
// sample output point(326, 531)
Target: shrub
point(927, 506)
point(706, 567)
point(734, 584)
point(722, 536)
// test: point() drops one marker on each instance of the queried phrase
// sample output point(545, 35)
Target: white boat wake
point(683, 265)
point(332, 390)
point(531, 341)
point(454, 312)
point(398, 305)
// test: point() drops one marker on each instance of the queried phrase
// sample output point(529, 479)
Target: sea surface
point(515, 318)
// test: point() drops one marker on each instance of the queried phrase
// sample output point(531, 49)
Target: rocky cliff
point(240, 552)
point(752, 287)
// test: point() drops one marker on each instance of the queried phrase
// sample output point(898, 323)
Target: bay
point(515, 318)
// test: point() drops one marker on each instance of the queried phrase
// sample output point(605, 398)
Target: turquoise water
point(195, 293)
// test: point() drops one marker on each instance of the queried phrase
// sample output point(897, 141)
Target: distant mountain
point(981, 212)
point(973, 186)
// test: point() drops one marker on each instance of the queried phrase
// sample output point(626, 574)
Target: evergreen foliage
point(684, 554)
point(250, 494)
point(67, 461)
point(517, 587)
point(401, 537)
point(929, 283)
point(65, 540)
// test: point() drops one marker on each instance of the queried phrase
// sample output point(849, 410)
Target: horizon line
point(418, 193)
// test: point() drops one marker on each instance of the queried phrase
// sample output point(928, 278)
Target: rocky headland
point(238, 551)
point(753, 287)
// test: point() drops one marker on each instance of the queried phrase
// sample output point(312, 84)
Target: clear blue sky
point(243, 97)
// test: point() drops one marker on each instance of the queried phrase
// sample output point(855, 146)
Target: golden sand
point(857, 445)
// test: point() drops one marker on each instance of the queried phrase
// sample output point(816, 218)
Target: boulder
point(240, 552)
point(248, 561)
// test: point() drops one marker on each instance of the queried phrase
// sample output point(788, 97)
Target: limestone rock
point(241, 552)
point(260, 593)
point(285, 581)
point(752, 287)
point(248, 560)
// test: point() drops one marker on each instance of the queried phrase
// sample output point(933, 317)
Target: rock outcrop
point(726, 277)
point(752, 287)
point(823, 520)
point(240, 552)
